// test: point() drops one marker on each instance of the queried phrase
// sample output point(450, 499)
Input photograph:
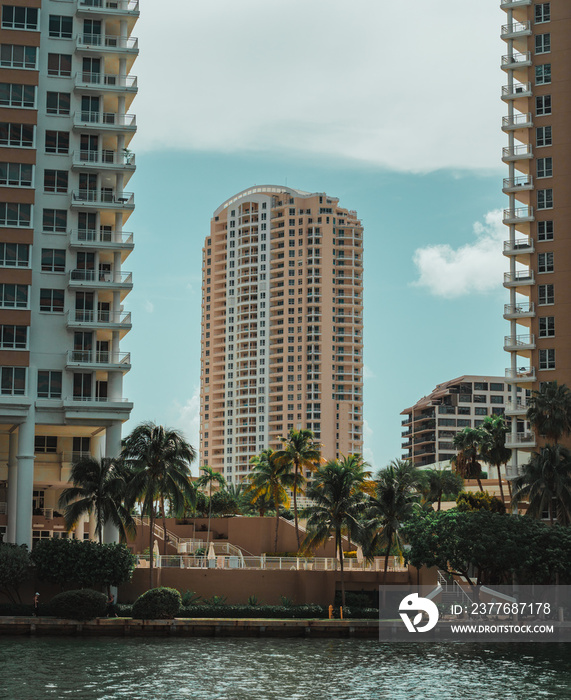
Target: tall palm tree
point(98, 489)
point(208, 478)
point(338, 492)
point(465, 463)
point(546, 484)
point(268, 479)
point(493, 444)
point(549, 411)
point(160, 460)
point(438, 482)
point(301, 451)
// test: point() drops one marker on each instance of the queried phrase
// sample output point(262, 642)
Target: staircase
point(452, 591)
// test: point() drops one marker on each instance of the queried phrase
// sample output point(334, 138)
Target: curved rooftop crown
point(264, 189)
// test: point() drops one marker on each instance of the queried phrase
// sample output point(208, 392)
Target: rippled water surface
point(232, 669)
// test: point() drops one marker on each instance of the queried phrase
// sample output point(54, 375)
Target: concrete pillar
point(79, 528)
point(112, 450)
point(25, 482)
point(12, 486)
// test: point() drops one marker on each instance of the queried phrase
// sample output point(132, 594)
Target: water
point(272, 669)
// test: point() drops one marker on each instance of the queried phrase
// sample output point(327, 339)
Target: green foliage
point(14, 569)
point(216, 600)
point(285, 601)
point(550, 411)
point(190, 598)
point(223, 503)
point(23, 610)
point(83, 604)
point(83, 563)
point(256, 611)
point(286, 514)
point(481, 500)
point(253, 600)
point(158, 604)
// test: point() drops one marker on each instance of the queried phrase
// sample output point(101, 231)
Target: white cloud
point(367, 451)
point(323, 78)
point(368, 372)
point(475, 267)
point(188, 418)
point(149, 306)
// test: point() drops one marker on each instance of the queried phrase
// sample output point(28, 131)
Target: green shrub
point(255, 611)
point(84, 604)
point(14, 569)
point(190, 598)
point(157, 604)
point(23, 610)
point(480, 500)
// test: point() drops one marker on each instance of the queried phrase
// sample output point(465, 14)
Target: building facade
point(538, 101)
point(430, 425)
point(282, 326)
point(65, 130)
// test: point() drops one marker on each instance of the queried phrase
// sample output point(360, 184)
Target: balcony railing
point(521, 374)
point(520, 405)
point(104, 197)
point(520, 439)
point(105, 119)
point(108, 41)
point(519, 277)
point(119, 318)
point(517, 121)
point(520, 214)
point(104, 158)
point(507, 4)
point(519, 247)
point(516, 29)
point(512, 92)
point(522, 182)
point(98, 399)
point(519, 152)
point(112, 81)
point(516, 59)
point(519, 341)
point(91, 236)
point(101, 276)
point(94, 357)
point(523, 309)
point(109, 5)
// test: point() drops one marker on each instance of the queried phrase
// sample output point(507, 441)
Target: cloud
point(149, 306)
point(368, 372)
point(367, 451)
point(475, 267)
point(188, 419)
point(324, 78)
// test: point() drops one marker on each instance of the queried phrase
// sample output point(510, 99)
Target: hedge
point(84, 604)
point(157, 604)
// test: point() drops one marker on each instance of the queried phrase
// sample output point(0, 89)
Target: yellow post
point(341, 612)
point(330, 612)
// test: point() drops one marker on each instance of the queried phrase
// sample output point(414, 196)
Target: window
point(16, 174)
point(19, 17)
point(479, 398)
point(54, 220)
point(61, 27)
point(13, 337)
point(49, 384)
point(545, 199)
point(545, 230)
point(546, 294)
point(15, 95)
point(15, 214)
point(496, 399)
point(53, 260)
point(481, 411)
point(14, 296)
point(13, 381)
point(57, 142)
point(547, 359)
point(18, 135)
point(543, 74)
point(14, 255)
point(45, 444)
point(55, 180)
point(463, 410)
point(543, 105)
point(480, 386)
point(542, 12)
point(544, 167)
point(16, 56)
point(545, 262)
point(59, 64)
point(51, 300)
point(547, 327)
point(542, 43)
point(543, 136)
point(494, 386)
point(58, 103)
point(464, 423)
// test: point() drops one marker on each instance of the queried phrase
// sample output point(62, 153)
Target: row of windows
point(14, 95)
point(13, 383)
point(16, 296)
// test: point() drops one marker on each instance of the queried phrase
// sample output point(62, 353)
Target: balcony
point(515, 311)
point(523, 246)
point(109, 7)
point(516, 60)
point(108, 82)
point(515, 91)
point(101, 239)
point(522, 151)
point(104, 160)
point(520, 278)
point(515, 30)
point(522, 183)
point(102, 199)
point(102, 279)
point(518, 407)
point(90, 319)
point(517, 121)
point(109, 43)
point(96, 407)
point(512, 4)
point(517, 343)
point(520, 441)
point(105, 121)
point(98, 360)
point(518, 216)
point(521, 375)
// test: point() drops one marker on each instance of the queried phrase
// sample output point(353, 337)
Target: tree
point(493, 448)
point(546, 484)
point(160, 461)
point(467, 442)
point(300, 451)
point(438, 482)
point(549, 411)
point(337, 489)
point(14, 569)
point(209, 477)
point(99, 487)
point(268, 480)
point(481, 500)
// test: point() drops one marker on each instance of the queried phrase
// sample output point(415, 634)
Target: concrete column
point(112, 449)
point(92, 527)
point(12, 486)
point(25, 482)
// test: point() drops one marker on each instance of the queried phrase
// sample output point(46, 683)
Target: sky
point(392, 107)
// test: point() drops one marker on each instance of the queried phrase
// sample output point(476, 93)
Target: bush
point(157, 604)
point(480, 500)
point(255, 611)
point(23, 610)
point(84, 604)
point(14, 569)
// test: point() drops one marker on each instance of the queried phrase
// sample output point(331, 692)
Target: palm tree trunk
point(164, 526)
point(480, 484)
point(295, 508)
point(500, 482)
point(338, 537)
point(277, 522)
point(151, 543)
point(439, 499)
point(389, 545)
point(208, 532)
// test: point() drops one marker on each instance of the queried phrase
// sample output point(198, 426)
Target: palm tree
point(337, 489)
point(300, 451)
point(438, 482)
point(160, 461)
point(208, 478)
point(467, 442)
point(267, 480)
point(493, 444)
point(546, 484)
point(98, 489)
point(550, 410)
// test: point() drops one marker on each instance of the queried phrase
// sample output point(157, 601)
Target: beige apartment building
point(538, 155)
point(282, 326)
point(65, 130)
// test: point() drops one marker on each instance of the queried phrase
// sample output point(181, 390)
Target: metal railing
point(517, 120)
point(101, 236)
point(109, 41)
point(110, 276)
point(123, 199)
point(527, 373)
point(522, 181)
point(516, 89)
point(520, 213)
point(519, 276)
point(98, 357)
point(527, 339)
point(107, 80)
point(122, 318)
point(99, 399)
point(520, 151)
point(122, 5)
point(104, 119)
point(104, 157)
point(521, 438)
point(516, 28)
point(516, 58)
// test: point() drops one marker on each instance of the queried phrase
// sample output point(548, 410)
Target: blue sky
point(425, 180)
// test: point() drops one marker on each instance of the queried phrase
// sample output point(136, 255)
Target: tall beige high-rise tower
point(65, 130)
point(282, 326)
point(538, 154)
